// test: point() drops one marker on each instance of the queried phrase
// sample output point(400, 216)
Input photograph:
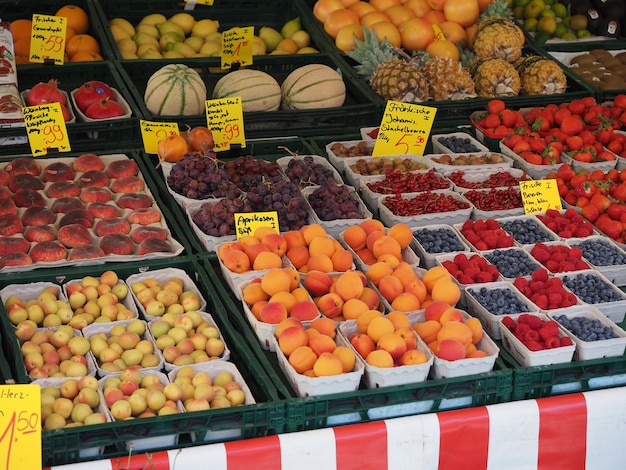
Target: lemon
point(547, 13)
point(533, 9)
point(547, 25)
point(559, 10)
point(531, 25)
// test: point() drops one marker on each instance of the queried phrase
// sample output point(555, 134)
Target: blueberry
point(601, 253)
point(513, 262)
point(585, 328)
point(592, 289)
point(458, 144)
point(440, 240)
point(499, 301)
point(526, 231)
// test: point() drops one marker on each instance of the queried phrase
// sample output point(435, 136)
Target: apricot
point(286, 323)
point(342, 260)
point(256, 308)
point(322, 343)
point(371, 239)
point(284, 298)
point(476, 327)
point(298, 255)
point(408, 335)
point(477, 353)
point(402, 233)
point(247, 240)
point(446, 290)
point(389, 260)
point(254, 250)
point(253, 292)
point(273, 312)
point(325, 326)
point(435, 309)
point(276, 280)
point(294, 276)
point(399, 319)
point(469, 348)
point(427, 330)
point(386, 245)
point(236, 261)
point(225, 247)
point(317, 283)
point(366, 256)
point(433, 275)
point(310, 332)
point(294, 238)
point(362, 343)
point(300, 293)
point(304, 310)
point(263, 230)
point(365, 318)
point(354, 308)
point(330, 305)
point(452, 314)
point(390, 287)
point(275, 242)
point(455, 330)
point(302, 359)
point(323, 245)
point(379, 358)
point(371, 225)
point(379, 327)
point(346, 356)
point(405, 302)
point(412, 357)
point(392, 343)
point(291, 338)
point(417, 288)
point(450, 350)
point(320, 262)
point(327, 364)
point(370, 297)
point(267, 260)
point(377, 271)
point(349, 285)
point(355, 237)
point(309, 232)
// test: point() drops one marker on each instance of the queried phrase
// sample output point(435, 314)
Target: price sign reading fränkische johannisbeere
point(404, 129)
point(20, 427)
point(45, 128)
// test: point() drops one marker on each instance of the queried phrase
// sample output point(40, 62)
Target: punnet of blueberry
point(458, 144)
point(439, 240)
point(526, 231)
point(586, 329)
point(601, 253)
point(512, 263)
point(592, 289)
point(499, 301)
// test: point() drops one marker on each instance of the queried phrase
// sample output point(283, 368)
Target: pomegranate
point(90, 92)
point(104, 109)
point(46, 92)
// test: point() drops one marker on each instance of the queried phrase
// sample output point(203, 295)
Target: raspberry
point(535, 322)
point(509, 323)
point(536, 286)
point(503, 242)
point(540, 300)
point(576, 252)
point(531, 335)
point(554, 300)
point(490, 240)
point(520, 283)
point(480, 225)
point(523, 318)
point(460, 259)
point(484, 277)
point(569, 300)
point(582, 232)
point(467, 226)
point(492, 224)
point(465, 279)
point(553, 342)
point(481, 245)
point(521, 329)
point(565, 341)
point(546, 332)
point(493, 272)
point(552, 265)
point(542, 255)
point(533, 345)
point(580, 264)
point(567, 266)
point(540, 275)
point(555, 281)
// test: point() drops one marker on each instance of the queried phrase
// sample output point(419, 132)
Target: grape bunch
point(306, 171)
point(335, 202)
point(283, 197)
point(217, 218)
point(246, 172)
point(200, 177)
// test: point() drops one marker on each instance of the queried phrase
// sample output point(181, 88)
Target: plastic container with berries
point(484, 234)
point(557, 257)
point(495, 202)
point(308, 170)
point(431, 241)
point(456, 142)
point(499, 178)
point(534, 170)
point(360, 170)
point(604, 255)
point(338, 151)
point(479, 161)
point(512, 262)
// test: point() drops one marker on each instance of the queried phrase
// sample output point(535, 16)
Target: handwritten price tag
point(540, 195)
point(45, 128)
point(48, 39)
point(237, 47)
point(404, 129)
point(20, 427)
point(247, 222)
point(199, 2)
point(224, 117)
point(152, 132)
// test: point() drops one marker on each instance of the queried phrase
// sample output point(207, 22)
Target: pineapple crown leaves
point(370, 52)
point(499, 8)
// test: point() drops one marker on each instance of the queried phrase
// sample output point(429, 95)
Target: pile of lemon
point(550, 19)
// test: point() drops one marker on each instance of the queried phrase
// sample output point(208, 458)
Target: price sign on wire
point(20, 427)
point(224, 117)
point(540, 195)
point(152, 132)
point(45, 128)
point(237, 47)
point(404, 129)
point(247, 222)
point(48, 39)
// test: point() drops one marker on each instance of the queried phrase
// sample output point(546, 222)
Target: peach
point(379, 327)
point(294, 238)
point(409, 336)
point(455, 330)
point(291, 338)
point(450, 350)
point(452, 314)
point(304, 310)
point(392, 343)
point(284, 298)
point(254, 250)
point(276, 280)
point(322, 245)
point(371, 225)
point(355, 237)
point(317, 283)
point(386, 245)
point(433, 275)
point(349, 285)
point(434, 310)
point(253, 292)
point(298, 255)
point(302, 359)
point(446, 290)
point(275, 242)
point(390, 287)
point(379, 358)
point(401, 233)
point(322, 343)
point(412, 357)
point(342, 260)
point(309, 232)
point(325, 326)
point(273, 312)
point(267, 260)
point(371, 298)
point(237, 261)
point(327, 364)
point(365, 318)
point(354, 308)
point(427, 330)
point(405, 302)
point(287, 323)
point(320, 262)
point(346, 356)
point(330, 305)
point(476, 328)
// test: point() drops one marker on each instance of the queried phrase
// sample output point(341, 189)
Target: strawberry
point(577, 107)
point(620, 101)
point(508, 118)
point(572, 125)
point(574, 142)
point(495, 106)
point(492, 121)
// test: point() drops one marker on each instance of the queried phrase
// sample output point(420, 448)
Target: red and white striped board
point(571, 432)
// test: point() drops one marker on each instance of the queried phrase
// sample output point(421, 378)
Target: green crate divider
point(86, 136)
point(16, 9)
point(357, 109)
point(230, 14)
point(6, 374)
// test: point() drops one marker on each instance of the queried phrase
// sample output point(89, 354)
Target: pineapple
point(541, 76)
point(498, 38)
point(447, 79)
point(495, 78)
point(391, 76)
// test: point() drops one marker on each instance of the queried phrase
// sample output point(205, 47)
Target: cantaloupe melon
point(175, 90)
point(313, 86)
point(259, 91)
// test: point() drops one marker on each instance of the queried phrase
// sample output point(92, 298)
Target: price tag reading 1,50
point(48, 39)
point(237, 47)
point(152, 132)
point(20, 427)
point(404, 129)
point(45, 128)
point(224, 116)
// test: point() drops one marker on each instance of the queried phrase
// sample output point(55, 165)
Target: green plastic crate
point(357, 109)
point(83, 136)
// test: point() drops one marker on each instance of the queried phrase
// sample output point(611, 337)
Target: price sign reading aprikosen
point(20, 427)
point(152, 132)
point(237, 47)
point(404, 129)
point(45, 128)
point(247, 222)
point(224, 117)
point(48, 39)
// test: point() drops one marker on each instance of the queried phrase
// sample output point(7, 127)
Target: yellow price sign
point(247, 222)
point(20, 427)
point(224, 117)
point(404, 129)
point(540, 195)
point(48, 39)
point(237, 47)
point(45, 128)
point(153, 132)
point(439, 35)
point(189, 4)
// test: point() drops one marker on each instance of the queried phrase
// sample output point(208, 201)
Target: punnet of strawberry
point(498, 120)
point(536, 333)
